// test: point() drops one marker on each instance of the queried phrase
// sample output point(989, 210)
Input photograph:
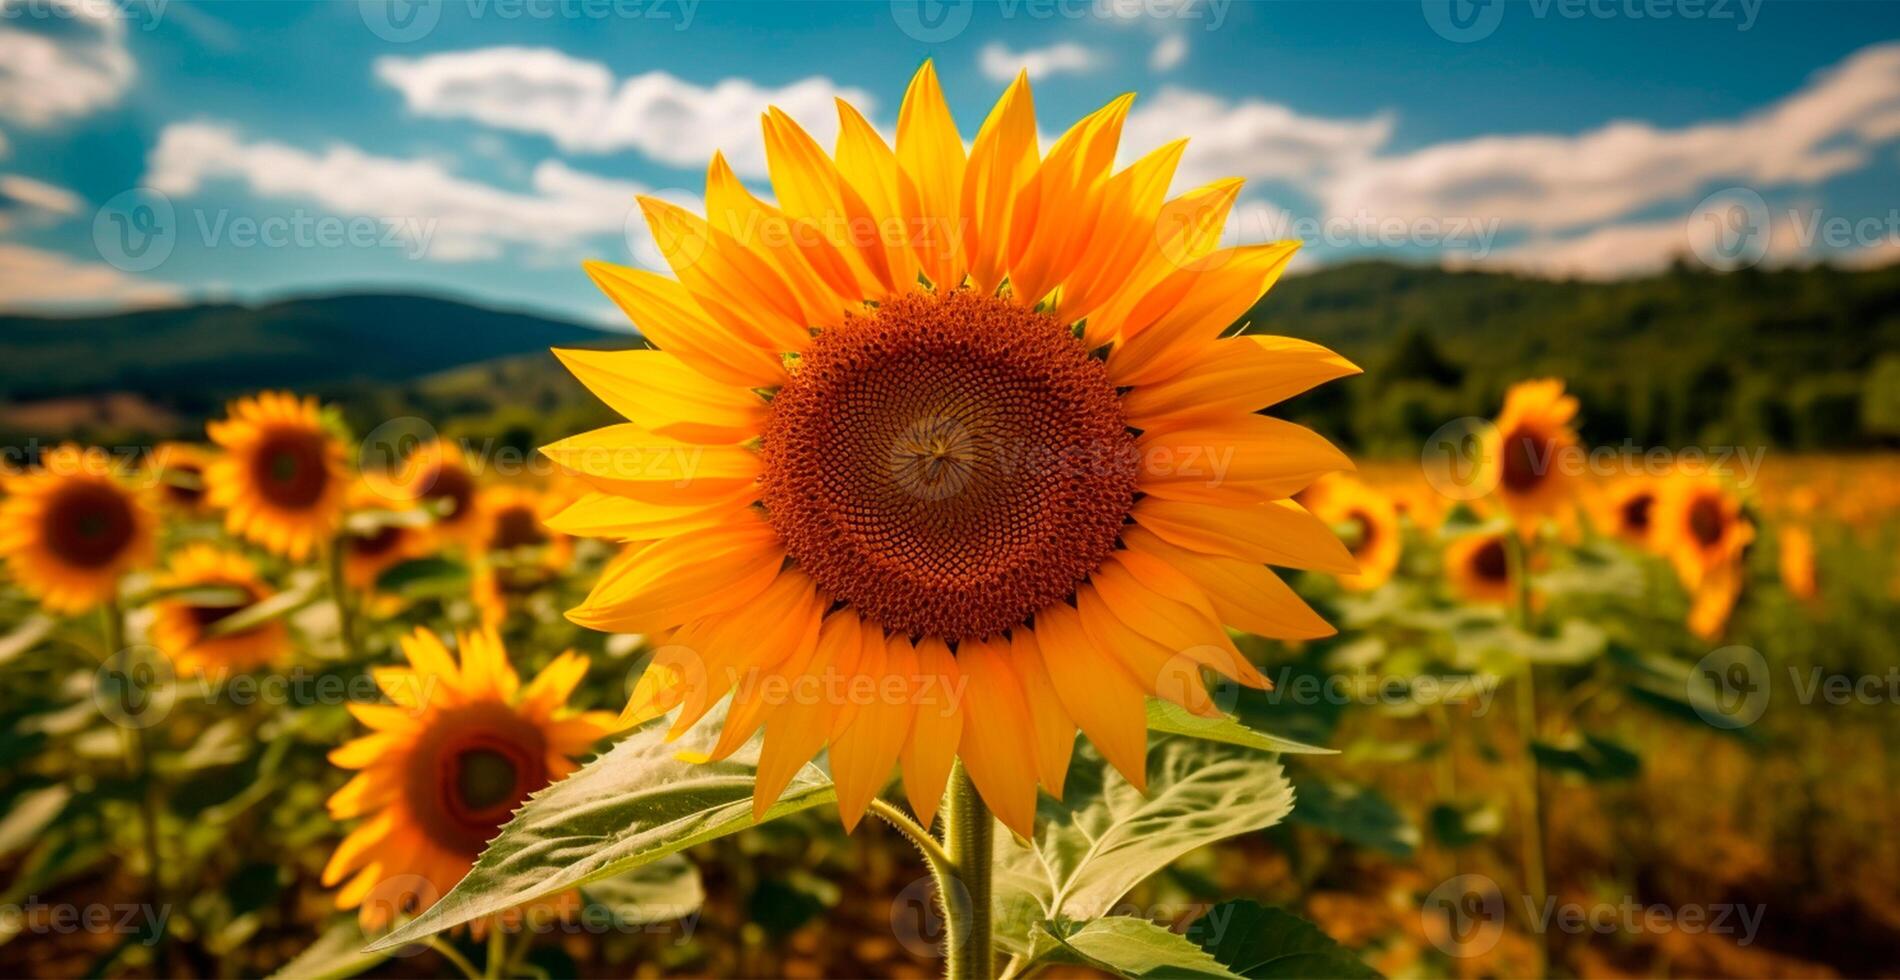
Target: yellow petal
point(783, 241)
point(630, 461)
point(1278, 532)
point(1064, 196)
point(666, 583)
point(1055, 732)
point(998, 730)
point(1231, 376)
point(1190, 308)
point(797, 728)
point(735, 647)
point(1002, 160)
point(1163, 605)
point(930, 156)
point(667, 315)
point(661, 393)
point(605, 515)
point(1161, 671)
point(1184, 235)
point(810, 187)
point(1240, 459)
point(735, 285)
point(935, 728)
point(1124, 230)
point(1245, 595)
point(864, 753)
point(869, 165)
point(1098, 692)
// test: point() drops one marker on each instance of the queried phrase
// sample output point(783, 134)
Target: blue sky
point(484, 147)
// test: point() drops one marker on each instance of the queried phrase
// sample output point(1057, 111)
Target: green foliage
point(1263, 943)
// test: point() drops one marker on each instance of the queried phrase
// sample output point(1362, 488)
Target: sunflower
point(281, 480)
point(1523, 453)
point(196, 575)
point(1371, 522)
point(1700, 526)
point(1625, 509)
point(437, 476)
point(1479, 567)
point(401, 535)
point(968, 432)
point(446, 765)
point(521, 553)
point(69, 528)
point(176, 473)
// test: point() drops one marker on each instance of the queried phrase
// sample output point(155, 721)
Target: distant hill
point(186, 353)
point(1795, 358)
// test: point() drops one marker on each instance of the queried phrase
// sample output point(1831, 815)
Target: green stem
point(138, 765)
point(340, 596)
point(497, 958)
point(970, 832)
point(449, 952)
point(1531, 811)
point(941, 867)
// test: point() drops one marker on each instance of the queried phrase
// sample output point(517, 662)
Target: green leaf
point(259, 613)
point(1263, 943)
point(1140, 949)
point(628, 808)
point(1172, 719)
point(29, 814)
point(1594, 757)
point(662, 891)
point(425, 578)
point(1354, 813)
point(1105, 836)
point(208, 596)
point(29, 633)
point(336, 955)
point(1463, 824)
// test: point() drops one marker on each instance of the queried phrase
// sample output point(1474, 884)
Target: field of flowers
point(227, 661)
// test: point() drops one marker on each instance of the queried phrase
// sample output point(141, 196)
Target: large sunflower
point(180, 622)
point(69, 528)
point(1371, 524)
point(941, 425)
point(281, 480)
point(1525, 452)
point(446, 765)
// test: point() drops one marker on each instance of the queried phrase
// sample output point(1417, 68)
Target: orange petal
point(1231, 376)
point(1002, 160)
point(1279, 532)
point(667, 314)
point(997, 730)
point(864, 753)
point(1099, 693)
point(1055, 732)
point(1245, 595)
point(930, 156)
point(935, 728)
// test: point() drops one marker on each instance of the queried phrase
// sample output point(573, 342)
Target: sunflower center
point(472, 767)
point(377, 542)
point(185, 485)
point(449, 487)
point(516, 527)
point(1363, 532)
point(1705, 521)
point(1526, 455)
point(1490, 563)
point(291, 467)
point(1636, 512)
point(948, 464)
point(88, 524)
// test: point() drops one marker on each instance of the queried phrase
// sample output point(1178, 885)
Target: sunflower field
point(1000, 541)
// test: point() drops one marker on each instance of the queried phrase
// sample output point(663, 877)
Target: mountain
point(185, 356)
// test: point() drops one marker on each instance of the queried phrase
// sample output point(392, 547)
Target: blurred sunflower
point(1370, 521)
point(948, 424)
point(176, 471)
point(69, 528)
point(1625, 509)
point(437, 477)
point(446, 765)
point(401, 535)
point(1523, 452)
point(180, 622)
point(281, 480)
point(1700, 525)
point(521, 553)
point(1479, 567)
point(1795, 561)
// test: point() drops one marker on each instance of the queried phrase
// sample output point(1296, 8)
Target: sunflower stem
point(940, 864)
point(448, 952)
point(138, 765)
point(969, 831)
point(497, 959)
point(1531, 814)
point(340, 596)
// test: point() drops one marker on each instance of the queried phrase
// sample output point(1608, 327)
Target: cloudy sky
point(158, 151)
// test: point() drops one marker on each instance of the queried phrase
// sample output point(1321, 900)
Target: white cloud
point(1551, 183)
point(461, 219)
point(998, 62)
point(25, 201)
point(583, 108)
point(1251, 138)
point(1169, 52)
point(32, 279)
point(60, 59)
